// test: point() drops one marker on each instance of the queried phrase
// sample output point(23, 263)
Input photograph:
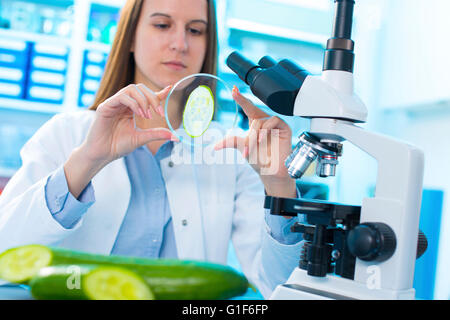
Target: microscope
point(350, 252)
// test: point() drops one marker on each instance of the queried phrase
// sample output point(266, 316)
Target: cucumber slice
point(89, 282)
point(113, 283)
point(199, 111)
point(19, 264)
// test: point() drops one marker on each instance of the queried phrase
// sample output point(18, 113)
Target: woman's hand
point(266, 147)
point(113, 133)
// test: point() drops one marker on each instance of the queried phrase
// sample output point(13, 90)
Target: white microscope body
point(351, 252)
point(331, 104)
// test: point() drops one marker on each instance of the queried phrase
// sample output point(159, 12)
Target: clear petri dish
point(200, 109)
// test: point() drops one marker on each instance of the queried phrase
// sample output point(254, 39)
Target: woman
point(91, 181)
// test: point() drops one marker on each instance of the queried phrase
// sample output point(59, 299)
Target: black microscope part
point(240, 65)
point(342, 27)
point(372, 242)
point(334, 236)
point(275, 84)
point(318, 254)
point(267, 62)
point(323, 234)
point(317, 211)
point(318, 259)
point(422, 244)
point(339, 54)
point(375, 241)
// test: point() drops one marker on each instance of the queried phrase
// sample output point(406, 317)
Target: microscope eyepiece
point(275, 84)
point(267, 62)
point(240, 65)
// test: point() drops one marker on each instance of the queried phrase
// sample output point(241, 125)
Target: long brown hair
point(120, 67)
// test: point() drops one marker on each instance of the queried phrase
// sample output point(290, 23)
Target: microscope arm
point(397, 197)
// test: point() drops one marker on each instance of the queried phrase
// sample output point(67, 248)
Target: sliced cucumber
point(168, 278)
point(199, 111)
point(89, 282)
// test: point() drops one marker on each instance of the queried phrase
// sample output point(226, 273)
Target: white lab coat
point(210, 204)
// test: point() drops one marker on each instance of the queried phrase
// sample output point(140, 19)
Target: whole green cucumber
point(88, 282)
point(168, 278)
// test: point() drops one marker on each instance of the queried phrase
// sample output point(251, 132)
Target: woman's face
point(170, 41)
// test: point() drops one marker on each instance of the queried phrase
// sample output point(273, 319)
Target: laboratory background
point(52, 56)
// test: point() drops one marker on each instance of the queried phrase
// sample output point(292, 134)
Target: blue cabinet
point(13, 67)
point(48, 68)
point(32, 70)
point(92, 72)
point(13, 53)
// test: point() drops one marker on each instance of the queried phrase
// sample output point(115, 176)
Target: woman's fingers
point(273, 123)
point(231, 142)
point(122, 98)
point(246, 145)
point(163, 94)
point(140, 99)
point(144, 102)
point(120, 101)
point(153, 102)
point(146, 99)
point(272, 126)
point(249, 108)
point(252, 136)
point(146, 136)
point(155, 99)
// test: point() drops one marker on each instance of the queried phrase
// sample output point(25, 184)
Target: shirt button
point(171, 164)
point(184, 222)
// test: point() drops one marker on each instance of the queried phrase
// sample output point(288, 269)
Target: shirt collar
point(163, 152)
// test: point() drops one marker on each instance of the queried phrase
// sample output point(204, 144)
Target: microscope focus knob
point(372, 241)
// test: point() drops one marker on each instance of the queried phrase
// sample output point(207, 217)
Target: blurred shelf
point(32, 106)
point(279, 32)
point(77, 44)
point(97, 46)
point(7, 34)
point(109, 3)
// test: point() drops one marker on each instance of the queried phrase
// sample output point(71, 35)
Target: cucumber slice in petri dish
point(200, 109)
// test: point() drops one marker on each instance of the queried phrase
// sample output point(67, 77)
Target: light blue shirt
point(147, 229)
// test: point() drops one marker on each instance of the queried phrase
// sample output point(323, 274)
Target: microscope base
point(300, 286)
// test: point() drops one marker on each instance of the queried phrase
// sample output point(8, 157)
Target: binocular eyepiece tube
point(241, 65)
